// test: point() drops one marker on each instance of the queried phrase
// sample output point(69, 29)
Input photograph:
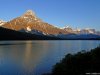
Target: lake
point(37, 57)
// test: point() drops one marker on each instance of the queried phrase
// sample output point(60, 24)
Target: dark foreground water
point(37, 57)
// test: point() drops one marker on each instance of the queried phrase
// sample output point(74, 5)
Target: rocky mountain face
point(29, 21)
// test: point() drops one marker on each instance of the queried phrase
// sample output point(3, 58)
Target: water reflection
point(31, 60)
point(28, 55)
point(36, 57)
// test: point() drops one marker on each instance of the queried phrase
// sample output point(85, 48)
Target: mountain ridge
point(29, 19)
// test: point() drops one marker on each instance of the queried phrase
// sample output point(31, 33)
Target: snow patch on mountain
point(2, 22)
point(29, 28)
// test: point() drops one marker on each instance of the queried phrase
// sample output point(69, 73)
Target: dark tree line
point(8, 34)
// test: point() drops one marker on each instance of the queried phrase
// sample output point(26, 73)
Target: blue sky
point(74, 13)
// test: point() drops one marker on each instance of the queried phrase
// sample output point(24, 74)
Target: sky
point(73, 13)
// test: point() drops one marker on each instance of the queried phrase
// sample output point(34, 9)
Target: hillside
point(7, 34)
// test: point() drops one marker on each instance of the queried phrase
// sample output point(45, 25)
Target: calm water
point(37, 57)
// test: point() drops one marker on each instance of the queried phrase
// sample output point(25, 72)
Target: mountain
point(2, 22)
point(81, 31)
point(80, 34)
point(29, 21)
